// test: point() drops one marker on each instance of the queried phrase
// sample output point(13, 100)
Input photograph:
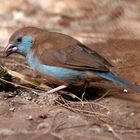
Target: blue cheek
point(26, 44)
point(58, 72)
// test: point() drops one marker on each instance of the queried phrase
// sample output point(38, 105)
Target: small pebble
point(110, 129)
point(30, 117)
point(41, 126)
point(29, 98)
point(125, 91)
point(12, 109)
point(108, 112)
point(132, 114)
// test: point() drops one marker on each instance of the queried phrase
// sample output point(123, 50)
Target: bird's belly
point(62, 75)
point(56, 72)
point(61, 72)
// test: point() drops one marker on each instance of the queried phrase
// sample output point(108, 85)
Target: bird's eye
point(19, 39)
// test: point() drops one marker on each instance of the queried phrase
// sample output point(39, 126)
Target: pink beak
point(10, 48)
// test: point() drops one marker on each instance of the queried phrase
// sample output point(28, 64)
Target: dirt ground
point(107, 113)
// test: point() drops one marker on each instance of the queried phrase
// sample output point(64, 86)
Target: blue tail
point(115, 78)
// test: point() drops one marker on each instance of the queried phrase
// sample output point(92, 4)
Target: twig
point(87, 102)
point(53, 128)
point(129, 131)
point(102, 96)
point(79, 110)
point(35, 82)
point(110, 129)
point(17, 85)
point(73, 96)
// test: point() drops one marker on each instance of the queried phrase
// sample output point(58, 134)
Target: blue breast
point(54, 71)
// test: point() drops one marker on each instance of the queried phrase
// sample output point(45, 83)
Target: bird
point(61, 59)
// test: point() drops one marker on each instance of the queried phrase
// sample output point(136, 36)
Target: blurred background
point(87, 20)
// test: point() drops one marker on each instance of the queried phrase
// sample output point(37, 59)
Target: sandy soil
point(114, 34)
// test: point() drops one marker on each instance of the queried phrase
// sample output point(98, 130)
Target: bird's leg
point(51, 90)
point(56, 89)
point(83, 94)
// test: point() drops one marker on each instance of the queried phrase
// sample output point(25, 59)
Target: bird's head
point(21, 41)
point(20, 44)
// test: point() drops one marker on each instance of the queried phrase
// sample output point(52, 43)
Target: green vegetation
point(4, 76)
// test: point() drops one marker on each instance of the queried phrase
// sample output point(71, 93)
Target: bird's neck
point(32, 60)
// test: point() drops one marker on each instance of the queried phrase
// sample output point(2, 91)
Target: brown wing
point(61, 50)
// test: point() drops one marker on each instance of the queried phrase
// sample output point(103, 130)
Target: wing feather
point(57, 49)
